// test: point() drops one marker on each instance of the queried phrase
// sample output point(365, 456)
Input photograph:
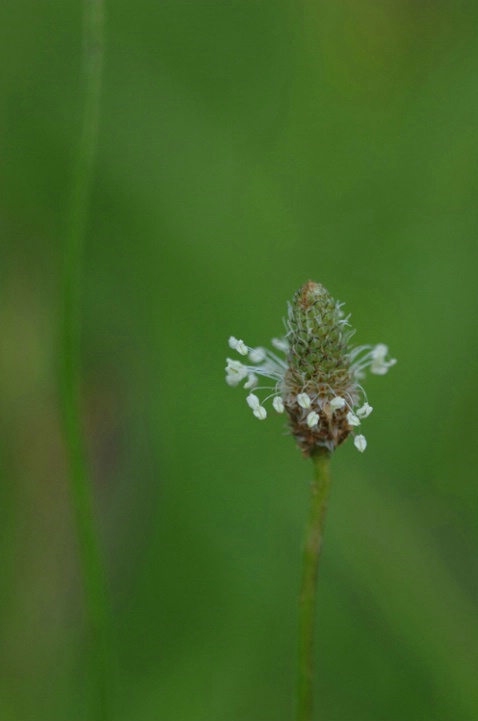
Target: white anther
point(303, 400)
point(235, 372)
point(280, 344)
point(364, 411)
point(380, 365)
point(278, 404)
point(379, 351)
point(260, 413)
point(253, 401)
point(257, 355)
point(312, 419)
point(337, 403)
point(352, 419)
point(360, 443)
point(251, 381)
point(238, 345)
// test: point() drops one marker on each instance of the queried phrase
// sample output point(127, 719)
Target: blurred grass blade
point(406, 580)
point(82, 497)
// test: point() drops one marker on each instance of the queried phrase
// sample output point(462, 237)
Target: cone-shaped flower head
point(319, 365)
point(318, 381)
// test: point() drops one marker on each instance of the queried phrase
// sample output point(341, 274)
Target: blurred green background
point(246, 146)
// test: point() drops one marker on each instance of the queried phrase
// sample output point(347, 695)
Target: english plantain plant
point(314, 378)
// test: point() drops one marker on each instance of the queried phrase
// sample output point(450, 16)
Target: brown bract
point(332, 429)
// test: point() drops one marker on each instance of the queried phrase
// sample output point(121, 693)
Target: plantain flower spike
point(317, 382)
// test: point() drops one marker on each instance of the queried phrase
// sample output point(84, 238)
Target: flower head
point(317, 379)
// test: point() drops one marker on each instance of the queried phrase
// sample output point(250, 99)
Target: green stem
point(308, 591)
point(70, 364)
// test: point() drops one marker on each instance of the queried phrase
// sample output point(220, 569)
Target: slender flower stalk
point(315, 379)
point(320, 487)
point(81, 491)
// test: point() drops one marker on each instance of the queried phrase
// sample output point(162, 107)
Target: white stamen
point(380, 351)
point(364, 411)
point(257, 355)
point(303, 400)
point(280, 344)
point(253, 401)
point(235, 372)
point(360, 443)
point(260, 413)
point(238, 345)
point(312, 419)
point(380, 365)
point(252, 381)
point(352, 419)
point(278, 404)
point(337, 403)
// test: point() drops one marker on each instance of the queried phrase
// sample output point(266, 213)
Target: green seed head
point(319, 367)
